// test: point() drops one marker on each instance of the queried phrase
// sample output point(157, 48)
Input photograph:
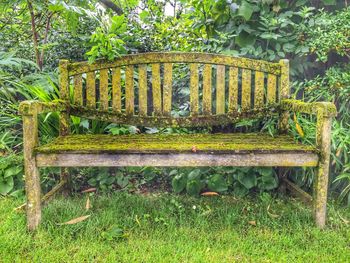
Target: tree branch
point(35, 35)
point(109, 4)
point(47, 28)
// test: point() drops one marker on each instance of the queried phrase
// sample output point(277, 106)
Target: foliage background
point(314, 35)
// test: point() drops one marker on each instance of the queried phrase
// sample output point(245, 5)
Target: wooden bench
point(138, 90)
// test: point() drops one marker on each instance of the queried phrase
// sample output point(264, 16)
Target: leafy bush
point(223, 179)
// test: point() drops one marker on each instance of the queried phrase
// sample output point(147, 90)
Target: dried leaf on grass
point(89, 190)
point(87, 205)
point(271, 214)
point(343, 219)
point(253, 223)
point(75, 220)
point(209, 194)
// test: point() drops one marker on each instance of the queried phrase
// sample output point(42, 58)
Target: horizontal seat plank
point(175, 143)
point(176, 160)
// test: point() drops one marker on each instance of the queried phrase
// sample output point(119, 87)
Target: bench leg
point(320, 195)
point(65, 177)
point(323, 140)
point(31, 171)
point(282, 187)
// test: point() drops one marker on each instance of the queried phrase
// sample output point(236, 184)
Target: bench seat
point(175, 90)
point(176, 150)
point(175, 143)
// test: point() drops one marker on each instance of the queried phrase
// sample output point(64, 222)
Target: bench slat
point(104, 89)
point(220, 89)
point(180, 160)
point(167, 90)
point(246, 89)
point(156, 89)
point(284, 78)
point(233, 89)
point(207, 105)
point(259, 89)
point(129, 90)
point(194, 96)
point(143, 90)
point(116, 90)
point(78, 90)
point(177, 57)
point(91, 90)
point(271, 88)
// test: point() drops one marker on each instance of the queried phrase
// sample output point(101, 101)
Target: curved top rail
point(175, 57)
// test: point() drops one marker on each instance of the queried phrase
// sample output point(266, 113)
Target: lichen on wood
point(207, 93)
point(156, 143)
point(176, 57)
point(327, 109)
point(170, 121)
point(194, 94)
point(33, 107)
point(31, 171)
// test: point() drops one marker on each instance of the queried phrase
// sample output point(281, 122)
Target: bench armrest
point(32, 107)
point(324, 109)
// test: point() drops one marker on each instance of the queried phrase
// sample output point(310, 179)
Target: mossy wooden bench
point(137, 90)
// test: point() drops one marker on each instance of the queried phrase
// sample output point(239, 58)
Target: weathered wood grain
point(176, 57)
point(116, 90)
point(156, 90)
point(246, 88)
point(143, 90)
point(167, 91)
point(78, 90)
point(259, 89)
point(220, 89)
point(323, 141)
point(91, 90)
point(233, 89)
point(271, 88)
point(207, 96)
point(172, 160)
point(129, 90)
point(31, 171)
point(194, 94)
point(104, 98)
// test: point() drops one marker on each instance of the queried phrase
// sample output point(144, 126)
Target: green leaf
point(217, 183)
point(245, 39)
point(329, 2)
point(245, 10)
point(6, 185)
point(194, 174)
point(122, 181)
point(179, 183)
point(240, 189)
point(12, 171)
point(265, 171)
point(194, 187)
point(268, 183)
point(288, 47)
point(248, 180)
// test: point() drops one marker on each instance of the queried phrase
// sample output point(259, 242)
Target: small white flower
point(194, 207)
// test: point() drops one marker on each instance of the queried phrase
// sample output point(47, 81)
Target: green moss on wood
point(327, 109)
point(146, 143)
point(168, 121)
point(32, 107)
point(176, 57)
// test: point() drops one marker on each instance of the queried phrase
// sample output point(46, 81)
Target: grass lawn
point(168, 228)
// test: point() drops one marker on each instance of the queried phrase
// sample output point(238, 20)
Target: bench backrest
point(138, 89)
